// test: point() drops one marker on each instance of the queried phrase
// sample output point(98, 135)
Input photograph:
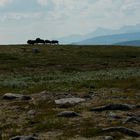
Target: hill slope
point(129, 43)
point(110, 39)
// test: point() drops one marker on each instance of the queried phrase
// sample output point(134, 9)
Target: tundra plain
point(100, 75)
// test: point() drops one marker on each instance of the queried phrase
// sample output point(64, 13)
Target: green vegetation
point(68, 68)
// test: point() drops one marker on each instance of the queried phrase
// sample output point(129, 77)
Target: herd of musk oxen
point(41, 41)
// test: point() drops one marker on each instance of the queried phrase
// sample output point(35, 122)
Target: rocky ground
point(104, 114)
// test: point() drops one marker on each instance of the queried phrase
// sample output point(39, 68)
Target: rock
point(35, 50)
point(124, 130)
point(68, 114)
point(31, 113)
point(12, 96)
point(123, 107)
point(113, 115)
point(69, 101)
point(43, 92)
point(24, 138)
point(25, 97)
point(134, 119)
point(108, 138)
point(87, 97)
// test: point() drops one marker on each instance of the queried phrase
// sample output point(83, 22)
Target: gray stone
point(123, 107)
point(108, 138)
point(113, 115)
point(70, 101)
point(25, 97)
point(12, 96)
point(124, 130)
point(134, 119)
point(31, 112)
point(68, 114)
point(24, 138)
point(35, 50)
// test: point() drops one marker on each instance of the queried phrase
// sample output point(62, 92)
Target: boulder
point(12, 96)
point(133, 119)
point(123, 107)
point(108, 138)
point(69, 101)
point(68, 114)
point(124, 130)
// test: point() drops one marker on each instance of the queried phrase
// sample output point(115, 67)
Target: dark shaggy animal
point(48, 42)
point(31, 42)
point(40, 41)
point(55, 42)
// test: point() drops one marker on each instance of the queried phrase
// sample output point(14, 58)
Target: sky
point(21, 20)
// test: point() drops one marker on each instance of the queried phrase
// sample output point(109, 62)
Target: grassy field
point(111, 72)
point(68, 68)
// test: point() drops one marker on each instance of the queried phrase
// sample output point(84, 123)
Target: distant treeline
point(41, 41)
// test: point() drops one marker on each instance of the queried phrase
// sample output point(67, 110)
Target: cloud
point(97, 9)
point(3, 2)
point(131, 5)
point(65, 17)
point(20, 16)
point(79, 10)
point(42, 2)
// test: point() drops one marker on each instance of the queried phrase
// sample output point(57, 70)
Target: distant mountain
point(71, 38)
point(100, 32)
point(110, 39)
point(125, 29)
point(129, 43)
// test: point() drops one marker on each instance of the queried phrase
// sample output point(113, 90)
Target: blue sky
point(26, 19)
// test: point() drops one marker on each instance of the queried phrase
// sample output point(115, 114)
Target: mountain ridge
point(110, 39)
point(100, 31)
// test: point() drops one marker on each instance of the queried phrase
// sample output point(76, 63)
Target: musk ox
point(40, 41)
point(55, 42)
point(48, 42)
point(31, 42)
